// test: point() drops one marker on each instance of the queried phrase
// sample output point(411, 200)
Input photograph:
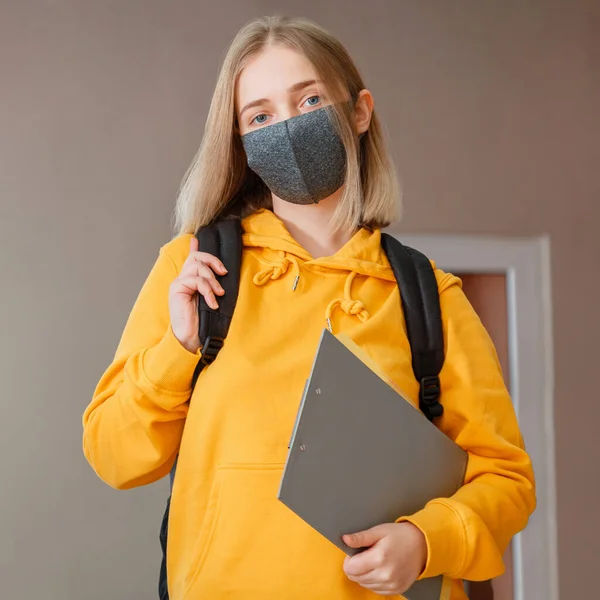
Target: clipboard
point(361, 454)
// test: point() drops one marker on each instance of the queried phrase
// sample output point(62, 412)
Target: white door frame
point(526, 264)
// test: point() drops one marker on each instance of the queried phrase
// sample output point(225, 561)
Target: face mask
point(301, 160)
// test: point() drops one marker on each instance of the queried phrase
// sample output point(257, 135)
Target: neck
point(310, 225)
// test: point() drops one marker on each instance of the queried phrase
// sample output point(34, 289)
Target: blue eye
point(313, 101)
point(260, 119)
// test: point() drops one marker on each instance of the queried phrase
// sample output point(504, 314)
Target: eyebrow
point(294, 88)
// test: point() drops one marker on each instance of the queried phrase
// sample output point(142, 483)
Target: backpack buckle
point(429, 396)
point(211, 348)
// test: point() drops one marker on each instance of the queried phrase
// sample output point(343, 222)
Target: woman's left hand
point(395, 557)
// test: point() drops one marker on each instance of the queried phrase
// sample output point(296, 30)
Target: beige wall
point(493, 111)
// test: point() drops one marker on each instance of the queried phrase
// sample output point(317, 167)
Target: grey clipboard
point(362, 455)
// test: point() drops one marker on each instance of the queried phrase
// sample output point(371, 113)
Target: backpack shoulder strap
point(421, 305)
point(222, 239)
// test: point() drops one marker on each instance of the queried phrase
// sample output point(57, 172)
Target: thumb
point(367, 538)
point(194, 244)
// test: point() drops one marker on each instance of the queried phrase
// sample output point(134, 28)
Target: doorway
point(508, 282)
point(487, 294)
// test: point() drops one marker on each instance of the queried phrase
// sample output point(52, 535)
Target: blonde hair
point(219, 183)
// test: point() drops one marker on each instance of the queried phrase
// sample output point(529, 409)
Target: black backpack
point(420, 303)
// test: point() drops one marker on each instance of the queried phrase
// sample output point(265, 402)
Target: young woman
point(311, 257)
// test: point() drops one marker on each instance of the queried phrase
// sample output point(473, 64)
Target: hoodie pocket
point(251, 544)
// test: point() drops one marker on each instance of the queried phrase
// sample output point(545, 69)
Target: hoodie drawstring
point(348, 305)
point(277, 269)
point(280, 267)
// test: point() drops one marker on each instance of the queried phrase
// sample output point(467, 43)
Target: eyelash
point(254, 121)
point(310, 98)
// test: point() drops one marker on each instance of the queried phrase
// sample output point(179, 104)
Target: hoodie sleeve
point(133, 426)
point(467, 534)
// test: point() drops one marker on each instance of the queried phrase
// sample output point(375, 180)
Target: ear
point(363, 110)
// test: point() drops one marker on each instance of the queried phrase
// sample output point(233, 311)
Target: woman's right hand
point(197, 277)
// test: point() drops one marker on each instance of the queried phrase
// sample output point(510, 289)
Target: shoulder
point(445, 280)
point(453, 301)
point(177, 250)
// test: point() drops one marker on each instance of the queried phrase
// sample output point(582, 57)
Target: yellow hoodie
point(229, 536)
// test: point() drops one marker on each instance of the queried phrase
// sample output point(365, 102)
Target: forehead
point(271, 73)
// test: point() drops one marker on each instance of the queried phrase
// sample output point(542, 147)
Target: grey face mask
point(301, 160)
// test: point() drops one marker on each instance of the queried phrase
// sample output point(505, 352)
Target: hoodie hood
point(362, 255)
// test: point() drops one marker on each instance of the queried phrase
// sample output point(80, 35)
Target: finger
point(362, 563)
point(212, 261)
point(209, 296)
point(205, 290)
point(369, 578)
point(380, 581)
point(366, 539)
point(194, 256)
point(198, 269)
point(375, 581)
point(193, 244)
point(379, 589)
point(200, 285)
